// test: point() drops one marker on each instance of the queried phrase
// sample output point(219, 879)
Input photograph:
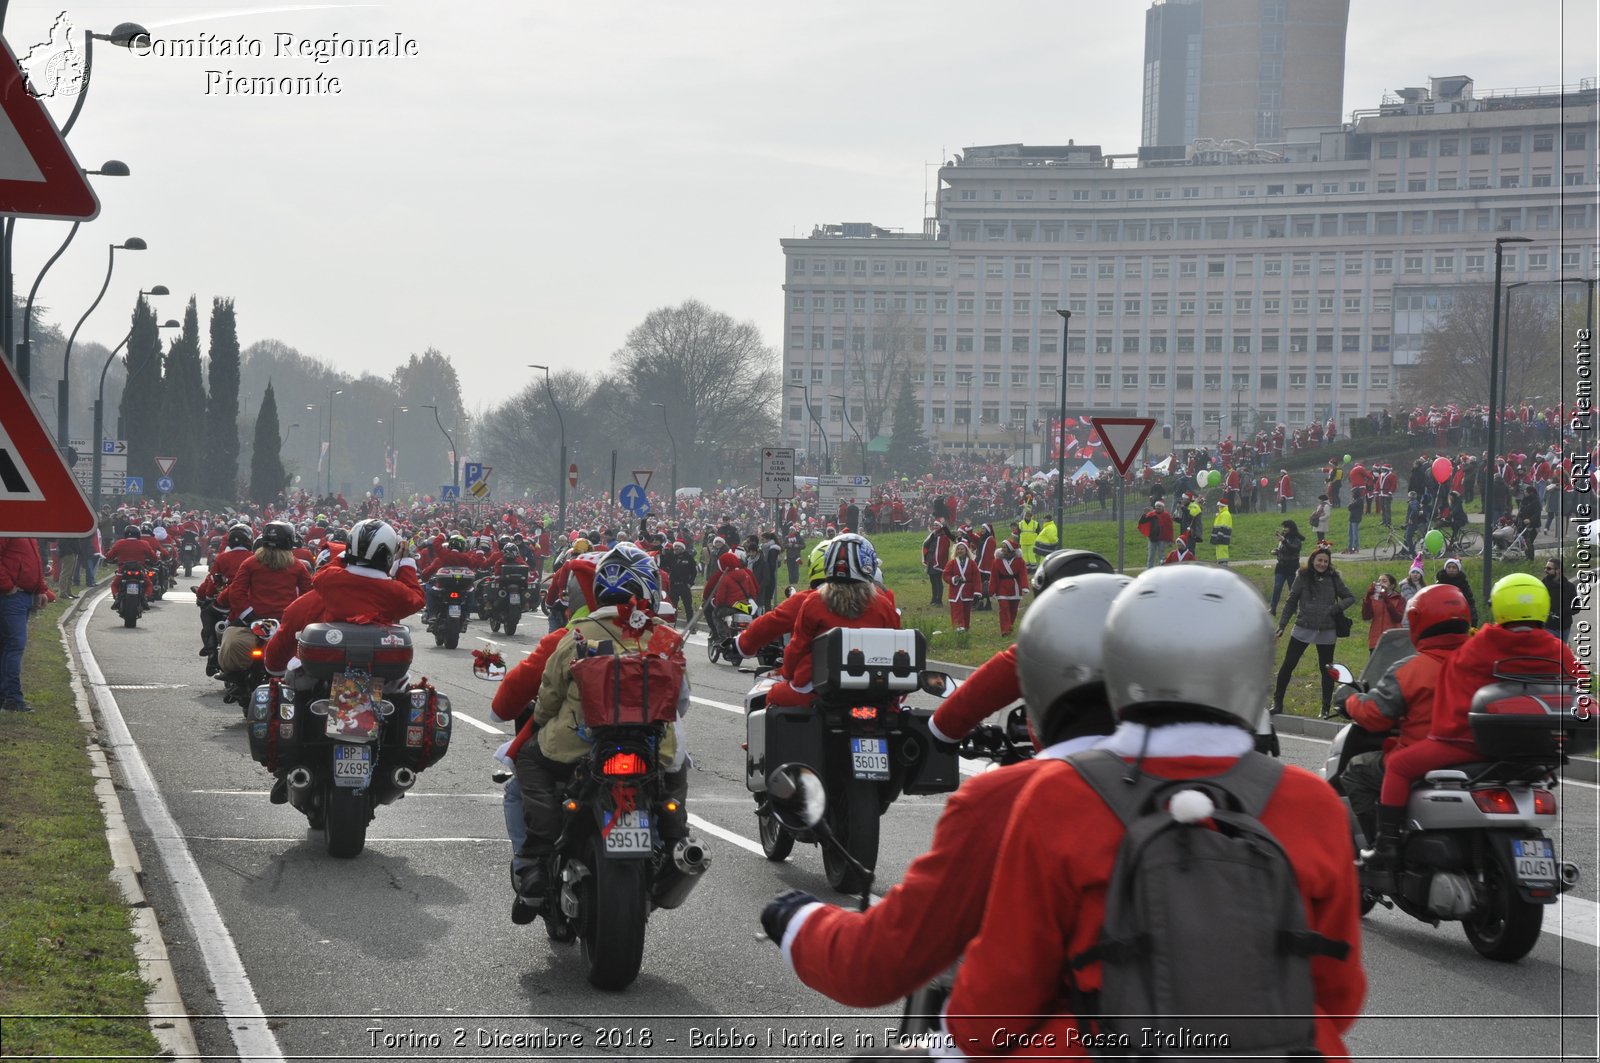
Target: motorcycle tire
point(1507, 928)
point(776, 843)
point(494, 625)
point(854, 820)
point(345, 826)
point(510, 627)
point(130, 619)
point(712, 652)
point(452, 640)
point(613, 928)
point(188, 570)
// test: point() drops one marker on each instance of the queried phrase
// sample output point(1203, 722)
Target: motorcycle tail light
point(1496, 801)
point(392, 656)
point(1544, 803)
point(864, 712)
point(623, 764)
point(455, 594)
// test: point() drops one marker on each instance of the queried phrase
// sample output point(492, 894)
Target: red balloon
point(1442, 470)
point(1263, 481)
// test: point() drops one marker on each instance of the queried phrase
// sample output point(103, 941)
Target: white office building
point(1238, 286)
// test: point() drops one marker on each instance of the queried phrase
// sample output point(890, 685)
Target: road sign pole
point(1122, 524)
point(613, 487)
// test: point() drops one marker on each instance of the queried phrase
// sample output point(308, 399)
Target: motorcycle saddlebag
point(274, 726)
point(419, 731)
point(779, 735)
point(634, 689)
point(928, 769)
point(877, 660)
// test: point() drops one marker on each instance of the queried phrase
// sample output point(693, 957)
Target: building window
point(1349, 380)
point(1158, 345)
point(1213, 306)
point(1130, 345)
point(991, 344)
point(1132, 306)
point(1324, 304)
point(1193, 192)
point(1575, 141)
point(1102, 380)
point(1158, 306)
point(1271, 306)
point(1448, 146)
point(1300, 305)
point(1510, 180)
point(969, 194)
point(1213, 345)
point(1185, 306)
point(1185, 382)
point(1388, 149)
point(1350, 343)
point(1324, 378)
point(1510, 145)
point(1411, 264)
point(1130, 381)
point(1241, 305)
point(1357, 187)
point(1382, 264)
point(1102, 343)
point(1478, 145)
point(1158, 378)
point(1108, 193)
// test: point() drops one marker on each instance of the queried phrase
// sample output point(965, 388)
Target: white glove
point(503, 754)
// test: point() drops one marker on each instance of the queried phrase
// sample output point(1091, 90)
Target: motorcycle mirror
point(797, 797)
point(1341, 674)
point(940, 684)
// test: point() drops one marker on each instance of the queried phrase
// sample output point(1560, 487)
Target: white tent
point(1088, 471)
point(1164, 465)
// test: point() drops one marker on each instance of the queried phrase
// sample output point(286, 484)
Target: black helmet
point(130, 532)
point(1064, 563)
point(277, 536)
point(239, 535)
point(458, 541)
point(511, 551)
point(339, 535)
point(147, 528)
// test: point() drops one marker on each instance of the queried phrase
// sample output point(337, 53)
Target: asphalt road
point(407, 951)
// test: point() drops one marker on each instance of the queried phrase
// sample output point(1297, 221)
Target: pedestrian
point(1413, 582)
point(1222, 531)
point(1384, 607)
point(1563, 595)
point(1287, 554)
point(23, 591)
point(935, 555)
point(1356, 509)
point(1181, 551)
point(1452, 574)
point(962, 576)
point(1156, 526)
point(1318, 596)
point(1008, 577)
point(1319, 519)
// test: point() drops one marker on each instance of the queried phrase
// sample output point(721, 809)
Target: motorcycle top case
point(1517, 717)
point(929, 770)
point(867, 660)
point(380, 649)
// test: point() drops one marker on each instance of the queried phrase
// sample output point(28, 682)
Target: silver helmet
point(1059, 642)
point(1190, 636)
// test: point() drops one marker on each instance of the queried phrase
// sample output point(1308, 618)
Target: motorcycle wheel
point(345, 826)
point(1507, 928)
point(453, 639)
point(613, 934)
point(711, 648)
point(188, 570)
point(494, 625)
point(776, 842)
point(130, 618)
point(511, 627)
point(854, 820)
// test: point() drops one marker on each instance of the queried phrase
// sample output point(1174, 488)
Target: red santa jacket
point(132, 550)
point(1047, 899)
point(1008, 576)
point(340, 594)
point(222, 570)
point(815, 617)
point(521, 686)
point(771, 626)
point(985, 692)
point(1472, 667)
point(257, 591)
point(22, 568)
point(1404, 697)
point(736, 584)
point(444, 557)
point(1285, 487)
point(963, 576)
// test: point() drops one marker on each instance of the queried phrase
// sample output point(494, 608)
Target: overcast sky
point(541, 175)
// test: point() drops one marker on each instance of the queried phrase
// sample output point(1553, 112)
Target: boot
point(1277, 705)
point(280, 792)
point(1327, 712)
point(522, 913)
point(1380, 865)
point(533, 883)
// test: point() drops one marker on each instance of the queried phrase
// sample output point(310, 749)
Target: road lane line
point(370, 841)
point(1577, 919)
point(479, 724)
point(726, 835)
point(236, 997)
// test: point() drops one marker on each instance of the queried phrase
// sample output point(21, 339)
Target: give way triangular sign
point(38, 496)
point(39, 178)
point(1122, 437)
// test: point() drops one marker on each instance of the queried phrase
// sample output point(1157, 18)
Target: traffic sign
point(572, 475)
point(113, 446)
point(645, 474)
point(471, 474)
point(633, 499)
point(777, 472)
point(832, 490)
point(38, 495)
point(164, 484)
point(39, 178)
point(1122, 437)
point(165, 465)
point(449, 493)
point(377, 491)
point(133, 485)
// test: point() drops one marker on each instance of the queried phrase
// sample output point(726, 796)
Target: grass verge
point(66, 944)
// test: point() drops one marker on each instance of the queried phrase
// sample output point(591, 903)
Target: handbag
point(1342, 624)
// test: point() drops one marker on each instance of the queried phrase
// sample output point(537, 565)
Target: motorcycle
point(347, 729)
point(237, 686)
point(189, 552)
point(506, 597)
point(611, 865)
point(725, 624)
point(1474, 848)
point(857, 736)
point(130, 601)
point(453, 588)
point(213, 622)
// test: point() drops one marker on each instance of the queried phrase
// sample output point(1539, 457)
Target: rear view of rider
point(453, 554)
point(133, 549)
point(264, 586)
point(923, 924)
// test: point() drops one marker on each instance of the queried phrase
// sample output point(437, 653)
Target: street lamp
point(331, 394)
point(1061, 428)
point(132, 243)
point(561, 468)
point(391, 462)
point(827, 451)
point(844, 411)
point(672, 505)
point(284, 444)
point(1494, 415)
point(454, 457)
point(96, 443)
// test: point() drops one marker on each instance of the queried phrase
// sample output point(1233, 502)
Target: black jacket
point(1459, 582)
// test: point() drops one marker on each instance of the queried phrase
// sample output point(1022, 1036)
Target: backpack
point(1204, 946)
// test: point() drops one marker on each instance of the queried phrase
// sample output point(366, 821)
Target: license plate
point(133, 589)
point(516, 599)
point(351, 765)
point(455, 610)
point(628, 834)
point(1534, 859)
point(869, 757)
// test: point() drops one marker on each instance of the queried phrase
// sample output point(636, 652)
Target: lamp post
point(1061, 428)
point(96, 442)
point(132, 243)
point(455, 458)
point(331, 394)
point(827, 451)
point(561, 469)
point(672, 504)
point(1494, 416)
point(844, 411)
point(284, 444)
point(391, 461)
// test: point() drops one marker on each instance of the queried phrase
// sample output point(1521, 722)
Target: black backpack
point(1204, 951)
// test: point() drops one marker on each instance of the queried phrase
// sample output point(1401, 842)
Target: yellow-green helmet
point(1519, 599)
point(818, 568)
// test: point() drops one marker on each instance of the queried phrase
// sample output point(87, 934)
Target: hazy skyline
point(538, 177)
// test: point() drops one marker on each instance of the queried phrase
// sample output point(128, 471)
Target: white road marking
point(1577, 919)
point(723, 705)
point(411, 795)
point(370, 841)
point(726, 835)
point(479, 724)
point(146, 686)
point(236, 997)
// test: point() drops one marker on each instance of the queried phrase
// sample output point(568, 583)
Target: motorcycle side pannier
point(327, 649)
point(867, 660)
point(275, 726)
point(930, 770)
point(419, 731)
point(781, 734)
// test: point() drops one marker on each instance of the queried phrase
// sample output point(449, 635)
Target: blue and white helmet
point(625, 571)
point(850, 558)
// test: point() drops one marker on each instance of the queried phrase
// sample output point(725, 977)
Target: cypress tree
point(183, 406)
point(140, 411)
point(908, 447)
point(222, 412)
point(267, 477)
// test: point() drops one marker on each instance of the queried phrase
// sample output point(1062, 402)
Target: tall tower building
point(1242, 69)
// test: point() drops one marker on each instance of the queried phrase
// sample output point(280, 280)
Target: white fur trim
point(405, 562)
point(933, 729)
point(1063, 750)
point(1191, 806)
point(1181, 740)
point(792, 931)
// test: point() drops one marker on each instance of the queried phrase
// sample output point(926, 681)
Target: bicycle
point(1520, 541)
point(1392, 546)
point(1457, 543)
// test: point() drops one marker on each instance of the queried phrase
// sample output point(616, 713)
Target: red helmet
point(1435, 605)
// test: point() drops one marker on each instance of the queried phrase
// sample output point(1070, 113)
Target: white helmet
point(373, 544)
point(849, 558)
point(1059, 643)
point(1189, 636)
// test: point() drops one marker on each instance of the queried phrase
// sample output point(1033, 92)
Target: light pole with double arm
point(132, 243)
point(1494, 417)
point(561, 467)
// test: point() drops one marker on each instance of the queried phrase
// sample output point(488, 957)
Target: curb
point(169, 1019)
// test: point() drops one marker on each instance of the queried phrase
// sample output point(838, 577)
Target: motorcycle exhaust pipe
point(404, 778)
point(1570, 873)
point(676, 880)
point(299, 779)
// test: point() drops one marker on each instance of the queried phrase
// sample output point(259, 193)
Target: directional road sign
point(832, 490)
point(449, 493)
point(777, 472)
point(164, 484)
point(113, 446)
point(633, 499)
point(38, 495)
point(1123, 436)
point(39, 178)
point(133, 485)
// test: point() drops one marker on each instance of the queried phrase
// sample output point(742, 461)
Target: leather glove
point(782, 908)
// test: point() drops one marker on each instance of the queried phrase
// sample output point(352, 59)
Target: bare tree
point(1456, 350)
point(521, 438)
point(879, 369)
